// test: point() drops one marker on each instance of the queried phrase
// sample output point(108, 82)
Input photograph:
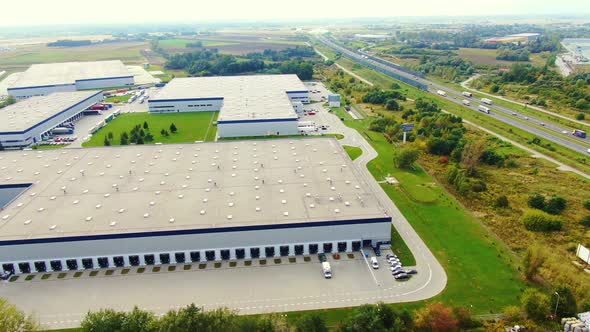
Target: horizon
point(69, 12)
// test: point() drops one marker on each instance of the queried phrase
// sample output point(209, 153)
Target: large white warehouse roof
point(26, 114)
point(244, 97)
point(144, 189)
point(51, 74)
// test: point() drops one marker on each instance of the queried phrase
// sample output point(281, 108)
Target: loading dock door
point(254, 252)
point(342, 246)
point(284, 250)
point(134, 260)
point(224, 254)
point(24, 267)
point(119, 261)
point(72, 264)
point(8, 268)
point(240, 253)
point(149, 259)
point(356, 245)
point(210, 255)
point(327, 247)
point(270, 251)
point(56, 265)
point(180, 257)
point(165, 258)
point(298, 249)
point(313, 249)
point(87, 263)
point(195, 256)
point(103, 262)
point(40, 267)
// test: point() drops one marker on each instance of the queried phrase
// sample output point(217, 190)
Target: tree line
point(210, 62)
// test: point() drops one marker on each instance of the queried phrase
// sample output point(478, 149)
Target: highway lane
point(547, 131)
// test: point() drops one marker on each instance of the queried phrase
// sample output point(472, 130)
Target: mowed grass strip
point(193, 126)
point(353, 151)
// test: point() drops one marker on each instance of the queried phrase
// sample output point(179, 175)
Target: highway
point(551, 132)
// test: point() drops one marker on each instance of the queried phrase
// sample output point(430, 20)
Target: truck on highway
point(484, 109)
point(62, 131)
point(486, 101)
point(327, 270)
point(442, 93)
point(467, 94)
point(466, 102)
point(579, 133)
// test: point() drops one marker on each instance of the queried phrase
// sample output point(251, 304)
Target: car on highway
point(542, 124)
point(401, 276)
point(526, 117)
point(513, 113)
point(565, 132)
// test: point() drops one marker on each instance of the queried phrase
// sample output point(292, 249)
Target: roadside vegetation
point(353, 151)
point(145, 128)
point(524, 201)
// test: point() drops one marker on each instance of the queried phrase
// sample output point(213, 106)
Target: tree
point(377, 317)
point(502, 202)
point(139, 140)
point(124, 140)
point(110, 135)
point(580, 116)
point(586, 204)
point(436, 317)
point(106, 142)
point(145, 125)
point(14, 320)
point(585, 221)
point(311, 323)
point(139, 321)
point(568, 306)
point(535, 304)
point(163, 132)
point(471, 156)
point(104, 320)
point(582, 103)
point(173, 128)
point(405, 157)
point(392, 105)
point(537, 201)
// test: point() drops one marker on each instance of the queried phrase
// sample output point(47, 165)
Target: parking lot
point(288, 285)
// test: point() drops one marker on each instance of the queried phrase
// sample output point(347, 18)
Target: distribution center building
point(164, 204)
point(28, 121)
point(43, 79)
point(255, 105)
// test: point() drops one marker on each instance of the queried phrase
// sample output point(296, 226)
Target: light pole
point(556, 304)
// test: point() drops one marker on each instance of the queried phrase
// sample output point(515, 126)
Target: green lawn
point(194, 126)
point(353, 151)
point(118, 99)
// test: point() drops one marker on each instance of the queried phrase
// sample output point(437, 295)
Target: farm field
point(487, 57)
point(22, 57)
point(195, 126)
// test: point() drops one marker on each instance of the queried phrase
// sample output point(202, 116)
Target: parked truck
point(486, 101)
point(467, 94)
point(484, 109)
point(579, 133)
point(327, 270)
point(62, 131)
point(442, 93)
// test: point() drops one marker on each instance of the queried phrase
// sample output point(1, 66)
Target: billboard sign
point(406, 127)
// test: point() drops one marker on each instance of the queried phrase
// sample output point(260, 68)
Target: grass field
point(118, 99)
point(353, 151)
point(181, 43)
point(194, 126)
point(487, 57)
point(23, 56)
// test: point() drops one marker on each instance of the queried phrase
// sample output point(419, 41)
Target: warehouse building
point(256, 105)
point(29, 121)
point(165, 204)
point(43, 79)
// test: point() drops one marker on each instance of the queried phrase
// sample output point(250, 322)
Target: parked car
point(411, 271)
point(390, 255)
point(395, 267)
point(322, 257)
point(376, 249)
point(398, 272)
point(402, 276)
point(374, 262)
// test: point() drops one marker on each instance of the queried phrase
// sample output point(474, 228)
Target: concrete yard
point(248, 289)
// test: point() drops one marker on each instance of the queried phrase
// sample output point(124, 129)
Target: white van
point(374, 262)
point(327, 270)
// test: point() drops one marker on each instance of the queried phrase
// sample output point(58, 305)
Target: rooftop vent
point(89, 218)
point(113, 223)
point(28, 221)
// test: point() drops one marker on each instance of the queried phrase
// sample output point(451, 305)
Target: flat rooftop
point(244, 97)
point(27, 113)
point(69, 72)
point(151, 188)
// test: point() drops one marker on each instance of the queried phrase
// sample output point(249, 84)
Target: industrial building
point(334, 100)
point(44, 79)
point(28, 121)
point(105, 207)
point(255, 105)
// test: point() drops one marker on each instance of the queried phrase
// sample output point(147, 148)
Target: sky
point(40, 12)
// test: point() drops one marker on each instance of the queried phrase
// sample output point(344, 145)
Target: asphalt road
point(548, 131)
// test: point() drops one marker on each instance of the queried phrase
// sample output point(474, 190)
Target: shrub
point(585, 221)
point(538, 221)
point(502, 202)
point(511, 163)
point(491, 157)
point(555, 205)
point(580, 116)
point(537, 201)
point(535, 304)
point(587, 204)
point(478, 186)
point(405, 157)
